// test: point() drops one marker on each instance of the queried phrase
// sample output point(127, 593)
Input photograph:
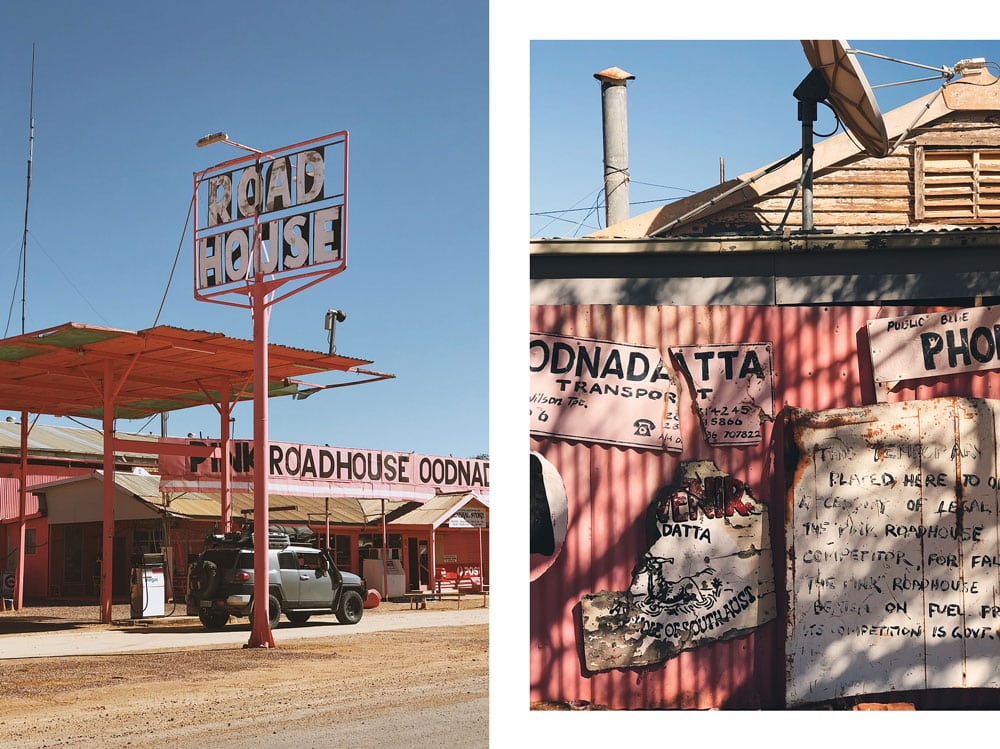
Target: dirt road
point(406, 686)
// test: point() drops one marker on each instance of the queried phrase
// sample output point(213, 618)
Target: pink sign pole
point(218, 272)
point(260, 630)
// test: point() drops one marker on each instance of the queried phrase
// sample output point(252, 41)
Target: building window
point(342, 549)
point(370, 546)
point(147, 540)
point(957, 185)
point(30, 543)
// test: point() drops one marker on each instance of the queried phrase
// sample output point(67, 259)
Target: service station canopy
point(63, 370)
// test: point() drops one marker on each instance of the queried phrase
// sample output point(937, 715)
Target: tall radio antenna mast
point(27, 190)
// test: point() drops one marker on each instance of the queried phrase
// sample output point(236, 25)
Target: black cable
point(13, 296)
point(176, 258)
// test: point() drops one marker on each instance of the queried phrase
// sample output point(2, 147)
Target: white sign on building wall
point(708, 576)
point(608, 392)
point(894, 549)
point(732, 388)
point(467, 518)
point(932, 344)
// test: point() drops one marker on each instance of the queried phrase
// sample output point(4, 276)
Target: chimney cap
point(614, 74)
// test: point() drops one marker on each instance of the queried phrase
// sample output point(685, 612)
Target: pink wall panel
point(817, 366)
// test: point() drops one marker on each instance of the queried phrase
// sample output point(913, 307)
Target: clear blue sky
point(692, 103)
point(122, 92)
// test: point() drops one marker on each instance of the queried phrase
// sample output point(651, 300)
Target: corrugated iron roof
point(207, 506)
point(302, 509)
point(60, 370)
point(436, 511)
point(45, 439)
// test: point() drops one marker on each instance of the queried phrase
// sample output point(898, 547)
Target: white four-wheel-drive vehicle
point(302, 580)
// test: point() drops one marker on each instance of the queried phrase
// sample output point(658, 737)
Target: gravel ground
point(66, 613)
point(423, 686)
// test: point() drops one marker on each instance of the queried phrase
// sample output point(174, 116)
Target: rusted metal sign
point(732, 389)
point(707, 576)
point(934, 344)
point(893, 549)
point(293, 200)
point(602, 391)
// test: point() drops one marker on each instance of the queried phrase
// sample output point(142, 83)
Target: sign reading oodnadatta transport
point(322, 471)
point(935, 343)
point(602, 391)
point(709, 576)
point(731, 387)
point(893, 549)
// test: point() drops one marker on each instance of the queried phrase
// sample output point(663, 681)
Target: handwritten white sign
point(893, 561)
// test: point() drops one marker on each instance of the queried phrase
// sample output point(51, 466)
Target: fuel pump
point(148, 586)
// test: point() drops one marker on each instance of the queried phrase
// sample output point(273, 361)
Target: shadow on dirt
point(27, 625)
point(191, 624)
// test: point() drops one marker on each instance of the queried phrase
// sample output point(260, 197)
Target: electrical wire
point(173, 268)
point(574, 208)
point(13, 296)
point(559, 215)
point(68, 280)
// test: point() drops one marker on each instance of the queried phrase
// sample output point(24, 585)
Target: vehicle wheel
point(212, 619)
point(273, 611)
point(297, 617)
point(351, 608)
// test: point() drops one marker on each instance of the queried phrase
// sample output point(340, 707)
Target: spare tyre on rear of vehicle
point(204, 578)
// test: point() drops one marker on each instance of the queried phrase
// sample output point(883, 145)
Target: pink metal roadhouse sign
point(323, 471)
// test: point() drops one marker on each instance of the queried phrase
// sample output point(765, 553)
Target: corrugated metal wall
point(36, 565)
point(10, 487)
point(816, 366)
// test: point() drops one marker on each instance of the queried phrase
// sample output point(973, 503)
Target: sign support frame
point(263, 294)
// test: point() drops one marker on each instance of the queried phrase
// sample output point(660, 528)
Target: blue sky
point(122, 92)
point(691, 104)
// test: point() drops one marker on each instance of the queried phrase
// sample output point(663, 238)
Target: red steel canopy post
point(21, 515)
point(108, 526)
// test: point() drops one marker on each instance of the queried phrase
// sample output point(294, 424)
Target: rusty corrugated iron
point(820, 362)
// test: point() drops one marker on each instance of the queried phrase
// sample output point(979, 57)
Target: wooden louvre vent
point(957, 185)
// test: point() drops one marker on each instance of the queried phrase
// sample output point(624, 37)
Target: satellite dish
point(849, 93)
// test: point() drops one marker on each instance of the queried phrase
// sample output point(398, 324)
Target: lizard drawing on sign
point(653, 594)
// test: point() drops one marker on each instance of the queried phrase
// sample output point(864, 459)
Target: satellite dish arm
point(810, 92)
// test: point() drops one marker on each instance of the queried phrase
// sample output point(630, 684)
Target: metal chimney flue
point(615, 117)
